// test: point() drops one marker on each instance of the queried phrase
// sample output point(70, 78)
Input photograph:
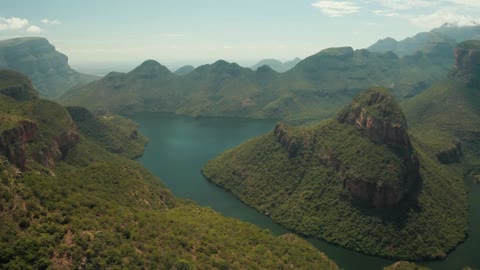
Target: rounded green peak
point(151, 67)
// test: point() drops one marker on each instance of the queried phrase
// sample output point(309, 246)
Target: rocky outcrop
point(377, 116)
point(467, 63)
point(13, 142)
point(15, 145)
point(285, 137)
point(452, 154)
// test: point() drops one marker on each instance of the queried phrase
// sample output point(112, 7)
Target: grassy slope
point(307, 197)
point(99, 210)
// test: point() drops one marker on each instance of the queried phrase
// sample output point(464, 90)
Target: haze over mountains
point(47, 68)
point(311, 90)
point(277, 65)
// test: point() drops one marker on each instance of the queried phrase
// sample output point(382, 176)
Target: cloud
point(408, 4)
point(12, 23)
point(34, 29)
point(336, 8)
point(386, 13)
point(50, 22)
point(439, 17)
point(466, 3)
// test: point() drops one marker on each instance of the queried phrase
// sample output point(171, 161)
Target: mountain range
point(277, 65)
point(47, 68)
point(312, 90)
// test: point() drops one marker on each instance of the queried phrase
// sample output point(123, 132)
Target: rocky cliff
point(285, 137)
point(13, 142)
point(39, 60)
point(467, 63)
point(377, 116)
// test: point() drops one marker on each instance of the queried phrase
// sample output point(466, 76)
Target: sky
point(177, 32)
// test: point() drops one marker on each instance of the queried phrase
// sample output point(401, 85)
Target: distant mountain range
point(447, 34)
point(313, 89)
point(47, 68)
point(277, 65)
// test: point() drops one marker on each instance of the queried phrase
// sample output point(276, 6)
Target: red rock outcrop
point(13, 142)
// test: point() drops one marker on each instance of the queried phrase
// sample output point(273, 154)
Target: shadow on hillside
point(398, 215)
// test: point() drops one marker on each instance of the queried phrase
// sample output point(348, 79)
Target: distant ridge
point(277, 65)
point(450, 34)
point(38, 59)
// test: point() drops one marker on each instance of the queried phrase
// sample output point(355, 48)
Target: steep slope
point(68, 203)
point(277, 65)
point(449, 111)
point(446, 34)
point(314, 89)
point(38, 59)
point(359, 181)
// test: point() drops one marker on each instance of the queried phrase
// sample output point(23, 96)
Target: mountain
point(277, 65)
point(360, 181)
point(314, 89)
point(68, 201)
point(447, 34)
point(184, 70)
point(448, 111)
point(38, 59)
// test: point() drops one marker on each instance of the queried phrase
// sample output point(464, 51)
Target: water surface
point(180, 146)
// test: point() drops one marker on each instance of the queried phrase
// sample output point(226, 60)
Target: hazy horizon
point(177, 33)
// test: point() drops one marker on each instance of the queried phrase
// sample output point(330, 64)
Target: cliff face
point(38, 59)
point(13, 142)
point(286, 139)
point(467, 63)
point(377, 116)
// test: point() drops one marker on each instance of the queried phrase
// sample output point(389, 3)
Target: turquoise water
point(180, 146)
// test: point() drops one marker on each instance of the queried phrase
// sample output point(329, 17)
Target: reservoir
point(180, 146)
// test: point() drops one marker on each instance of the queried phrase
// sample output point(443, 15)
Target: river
point(180, 146)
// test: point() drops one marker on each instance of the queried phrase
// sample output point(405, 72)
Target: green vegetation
point(314, 89)
point(38, 59)
point(94, 209)
point(115, 133)
point(306, 191)
point(405, 266)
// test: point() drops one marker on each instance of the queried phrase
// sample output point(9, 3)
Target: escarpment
point(467, 63)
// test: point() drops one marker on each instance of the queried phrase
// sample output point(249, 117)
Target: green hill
point(449, 111)
point(359, 181)
point(68, 202)
point(314, 89)
point(38, 59)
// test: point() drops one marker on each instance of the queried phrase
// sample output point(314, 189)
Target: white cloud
point(386, 13)
point(439, 17)
point(408, 4)
point(50, 22)
point(34, 29)
point(336, 8)
point(466, 3)
point(12, 23)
